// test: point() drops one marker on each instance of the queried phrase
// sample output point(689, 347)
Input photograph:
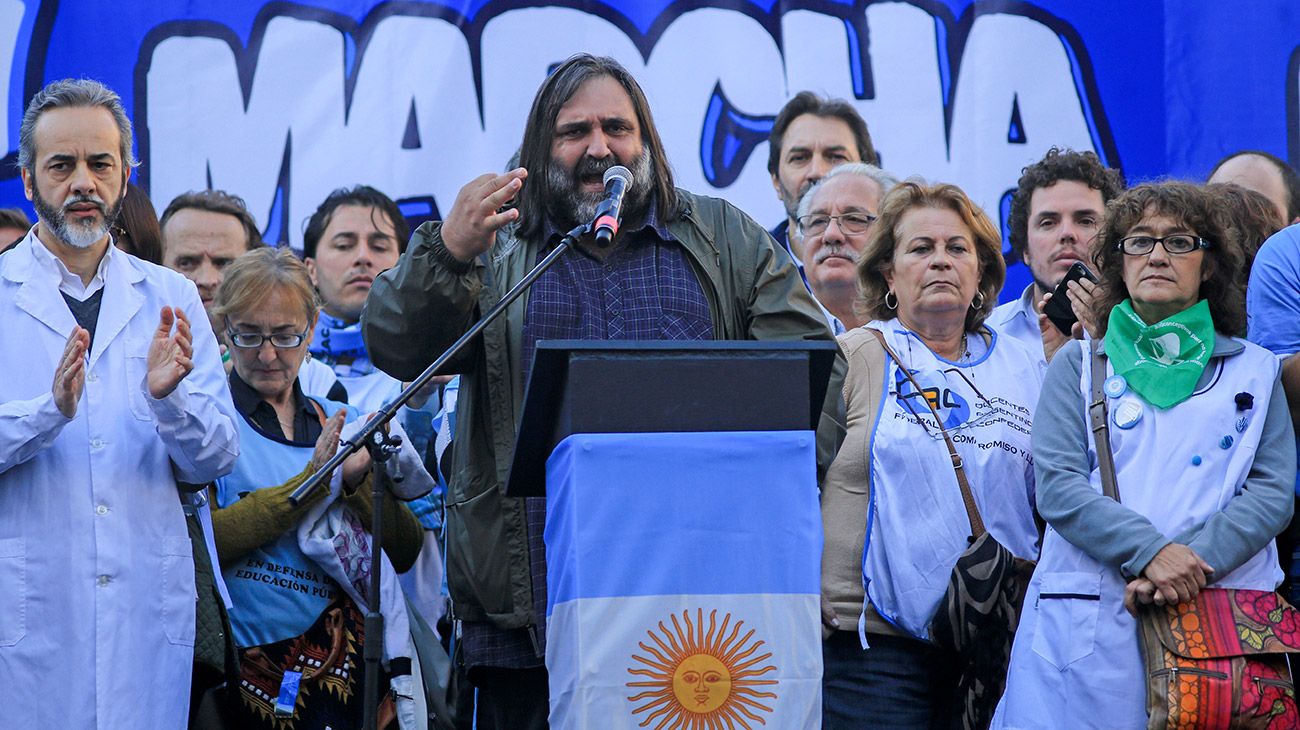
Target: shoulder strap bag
point(1218, 660)
point(978, 614)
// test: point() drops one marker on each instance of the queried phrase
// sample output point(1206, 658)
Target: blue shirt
point(1018, 319)
point(277, 592)
point(1273, 296)
point(1273, 302)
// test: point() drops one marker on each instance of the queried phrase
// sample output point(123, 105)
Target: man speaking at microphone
point(680, 267)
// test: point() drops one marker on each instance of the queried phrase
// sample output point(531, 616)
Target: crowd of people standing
point(171, 380)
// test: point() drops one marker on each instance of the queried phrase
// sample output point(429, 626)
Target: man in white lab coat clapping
point(111, 391)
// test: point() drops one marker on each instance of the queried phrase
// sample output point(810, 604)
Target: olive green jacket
point(422, 305)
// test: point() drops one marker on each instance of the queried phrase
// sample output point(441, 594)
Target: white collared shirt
point(70, 283)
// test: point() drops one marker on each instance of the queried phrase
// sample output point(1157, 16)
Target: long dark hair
point(137, 231)
point(535, 152)
point(1192, 206)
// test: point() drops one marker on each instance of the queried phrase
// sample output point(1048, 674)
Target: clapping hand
point(355, 466)
point(170, 354)
point(70, 375)
point(327, 442)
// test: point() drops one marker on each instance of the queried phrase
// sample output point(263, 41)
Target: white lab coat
point(1076, 658)
point(96, 572)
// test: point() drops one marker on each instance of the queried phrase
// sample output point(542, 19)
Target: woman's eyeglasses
point(255, 340)
point(1175, 244)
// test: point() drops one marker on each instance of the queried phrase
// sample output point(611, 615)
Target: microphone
point(617, 181)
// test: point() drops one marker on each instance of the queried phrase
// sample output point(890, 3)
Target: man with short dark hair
point(1055, 216)
point(353, 236)
point(681, 267)
point(97, 587)
point(202, 232)
point(1267, 175)
point(810, 135)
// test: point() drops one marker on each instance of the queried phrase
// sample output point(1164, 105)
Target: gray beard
point(569, 206)
point(76, 235)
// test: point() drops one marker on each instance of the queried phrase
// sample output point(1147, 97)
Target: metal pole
point(381, 447)
point(386, 414)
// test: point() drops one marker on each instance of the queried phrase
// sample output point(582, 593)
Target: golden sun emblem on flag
point(700, 680)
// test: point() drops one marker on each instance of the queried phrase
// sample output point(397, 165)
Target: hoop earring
point(978, 302)
point(887, 304)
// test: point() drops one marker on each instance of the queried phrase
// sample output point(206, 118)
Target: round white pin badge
point(1128, 413)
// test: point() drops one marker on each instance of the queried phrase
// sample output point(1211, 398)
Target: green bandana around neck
point(1161, 361)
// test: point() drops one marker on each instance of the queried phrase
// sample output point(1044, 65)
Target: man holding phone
point(1055, 215)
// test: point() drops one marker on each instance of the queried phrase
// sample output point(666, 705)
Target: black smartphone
point(1058, 308)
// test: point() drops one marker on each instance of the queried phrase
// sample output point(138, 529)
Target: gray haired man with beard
point(112, 391)
point(682, 267)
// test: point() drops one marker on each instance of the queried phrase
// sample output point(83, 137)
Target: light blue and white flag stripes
point(683, 581)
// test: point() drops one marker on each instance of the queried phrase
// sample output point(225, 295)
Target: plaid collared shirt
point(644, 289)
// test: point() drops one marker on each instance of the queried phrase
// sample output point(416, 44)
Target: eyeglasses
point(255, 340)
point(815, 224)
point(1177, 243)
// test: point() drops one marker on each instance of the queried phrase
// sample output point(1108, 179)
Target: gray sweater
point(1116, 535)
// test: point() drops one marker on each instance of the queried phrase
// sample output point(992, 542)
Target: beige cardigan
point(846, 491)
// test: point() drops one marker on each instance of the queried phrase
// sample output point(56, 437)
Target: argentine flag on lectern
point(683, 577)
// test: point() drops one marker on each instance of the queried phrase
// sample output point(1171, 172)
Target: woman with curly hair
point(1203, 461)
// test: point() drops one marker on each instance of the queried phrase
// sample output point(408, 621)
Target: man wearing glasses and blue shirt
point(835, 218)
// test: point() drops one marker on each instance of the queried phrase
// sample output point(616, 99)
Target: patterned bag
point(979, 612)
point(1218, 660)
point(977, 620)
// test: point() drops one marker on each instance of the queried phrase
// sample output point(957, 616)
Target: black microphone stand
point(382, 447)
